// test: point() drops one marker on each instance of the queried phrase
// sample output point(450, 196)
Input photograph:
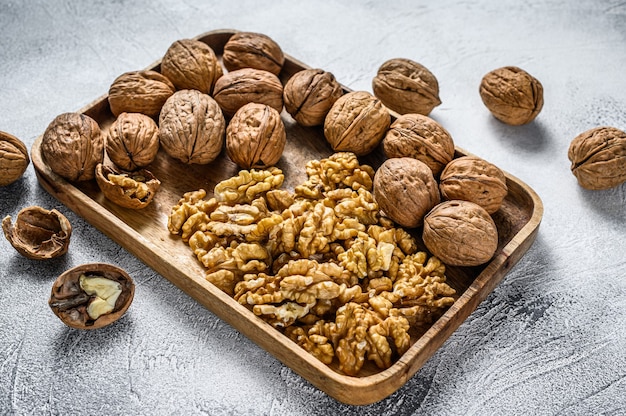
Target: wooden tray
point(144, 233)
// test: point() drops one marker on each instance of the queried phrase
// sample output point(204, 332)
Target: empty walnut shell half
point(420, 137)
point(142, 92)
point(512, 95)
point(356, 123)
point(134, 190)
point(406, 86)
point(253, 50)
point(72, 146)
point(248, 85)
point(470, 178)
point(13, 158)
point(598, 158)
point(191, 64)
point(91, 296)
point(132, 141)
point(310, 94)
point(460, 233)
point(38, 233)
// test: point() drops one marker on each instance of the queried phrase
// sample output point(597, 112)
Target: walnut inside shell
point(13, 158)
point(132, 141)
point(310, 94)
point(253, 50)
point(133, 190)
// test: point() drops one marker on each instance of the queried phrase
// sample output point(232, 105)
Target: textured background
point(551, 339)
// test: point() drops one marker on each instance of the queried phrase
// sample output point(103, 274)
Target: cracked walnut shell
point(13, 158)
point(191, 65)
point(133, 190)
point(248, 85)
point(139, 92)
point(253, 50)
point(132, 141)
point(512, 95)
point(310, 94)
point(598, 158)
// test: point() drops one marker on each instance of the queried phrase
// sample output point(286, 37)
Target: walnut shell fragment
point(192, 127)
point(253, 50)
point(191, 64)
point(255, 137)
point(134, 190)
point(13, 158)
point(473, 179)
point(406, 87)
point(132, 141)
point(356, 123)
point(38, 233)
point(422, 138)
point(72, 146)
point(512, 95)
point(460, 233)
point(598, 158)
point(91, 296)
point(142, 92)
point(310, 94)
point(405, 190)
point(248, 85)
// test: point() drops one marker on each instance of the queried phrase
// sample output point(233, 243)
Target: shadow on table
point(530, 138)
point(609, 203)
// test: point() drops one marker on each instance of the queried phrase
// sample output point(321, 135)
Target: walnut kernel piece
point(512, 95)
point(473, 179)
point(406, 87)
point(191, 65)
point(460, 233)
point(91, 296)
point(598, 158)
point(356, 123)
point(248, 85)
point(192, 127)
point(422, 138)
point(142, 92)
point(255, 137)
point(253, 50)
point(72, 146)
point(38, 233)
point(405, 190)
point(132, 141)
point(310, 94)
point(13, 158)
point(134, 190)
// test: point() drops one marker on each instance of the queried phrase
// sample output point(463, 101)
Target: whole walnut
point(405, 190)
point(512, 95)
point(132, 141)
point(598, 158)
point(420, 137)
point(13, 158)
point(191, 64)
point(139, 92)
point(309, 95)
point(192, 127)
point(253, 50)
point(72, 145)
point(255, 137)
point(473, 179)
point(460, 233)
point(356, 123)
point(248, 85)
point(406, 87)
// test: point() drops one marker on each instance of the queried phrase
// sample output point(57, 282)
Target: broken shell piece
point(38, 233)
point(91, 296)
point(133, 190)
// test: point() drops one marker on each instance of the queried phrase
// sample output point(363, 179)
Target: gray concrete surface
point(550, 340)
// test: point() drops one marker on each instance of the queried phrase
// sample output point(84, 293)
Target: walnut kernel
point(133, 190)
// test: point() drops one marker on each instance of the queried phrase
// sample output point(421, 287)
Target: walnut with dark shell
point(420, 137)
point(132, 141)
point(253, 50)
point(13, 158)
point(406, 86)
point(191, 64)
point(91, 296)
point(310, 94)
point(72, 145)
point(139, 92)
point(473, 179)
point(248, 85)
point(460, 233)
point(255, 137)
point(134, 190)
point(38, 233)
point(356, 123)
point(192, 127)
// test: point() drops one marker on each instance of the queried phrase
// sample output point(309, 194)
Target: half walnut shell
point(134, 190)
point(91, 296)
point(38, 233)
